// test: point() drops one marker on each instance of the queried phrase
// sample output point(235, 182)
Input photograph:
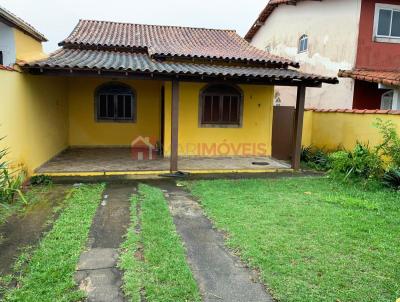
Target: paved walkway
point(97, 273)
point(220, 275)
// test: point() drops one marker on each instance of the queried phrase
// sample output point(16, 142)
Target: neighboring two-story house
point(19, 41)
point(357, 39)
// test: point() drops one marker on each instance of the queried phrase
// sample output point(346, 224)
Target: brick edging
point(6, 68)
point(355, 111)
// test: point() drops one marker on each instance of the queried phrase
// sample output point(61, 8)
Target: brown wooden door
point(282, 132)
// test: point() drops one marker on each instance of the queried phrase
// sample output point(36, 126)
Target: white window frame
point(303, 37)
point(387, 94)
point(380, 38)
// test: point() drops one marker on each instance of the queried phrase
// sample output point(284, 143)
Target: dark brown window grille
point(115, 102)
point(221, 105)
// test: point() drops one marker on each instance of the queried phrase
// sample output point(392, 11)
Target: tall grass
point(10, 181)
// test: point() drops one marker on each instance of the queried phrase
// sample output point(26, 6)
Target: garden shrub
point(390, 147)
point(361, 162)
point(341, 162)
point(315, 158)
point(381, 163)
point(391, 178)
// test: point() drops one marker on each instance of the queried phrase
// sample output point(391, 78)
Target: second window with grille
point(221, 105)
point(115, 102)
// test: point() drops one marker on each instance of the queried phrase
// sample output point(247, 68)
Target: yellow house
point(197, 100)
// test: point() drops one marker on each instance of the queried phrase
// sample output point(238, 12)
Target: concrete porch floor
point(95, 160)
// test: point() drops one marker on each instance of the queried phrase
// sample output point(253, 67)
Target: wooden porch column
point(174, 126)
point(298, 127)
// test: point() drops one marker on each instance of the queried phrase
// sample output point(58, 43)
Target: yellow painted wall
point(33, 117)
point(307, 128)
point(27, 48)
point(85, 131)
point(330, 129)
point(256, 127)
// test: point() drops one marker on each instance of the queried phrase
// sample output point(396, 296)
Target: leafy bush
point(315, 158)
point(392, 178)
point(38, 180)
point(391, 141)
point(361, 162)
point(10, 182)
point(306, 154)
point(341, 162)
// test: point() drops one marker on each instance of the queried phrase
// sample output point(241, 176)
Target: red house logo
point(143, 148)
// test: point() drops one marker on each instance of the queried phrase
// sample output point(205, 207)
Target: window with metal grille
point(303, 44)
point(221, 105)
point(115, 102)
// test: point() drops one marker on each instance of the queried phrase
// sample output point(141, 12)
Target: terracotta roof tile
point(8, 68)
point(390, 78)
point(142, 63)
point(175, 41)
point(21, 24)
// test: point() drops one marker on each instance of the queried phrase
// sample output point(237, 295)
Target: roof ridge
point(169, 40)
point(157, 25)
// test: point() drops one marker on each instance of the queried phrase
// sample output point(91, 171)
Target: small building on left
point(19, 40)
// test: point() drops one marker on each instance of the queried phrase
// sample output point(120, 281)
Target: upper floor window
point(387, 100)
point(303, 44)
point(221, 105)
point(1, 58)
point(387, 21)
point(115, 102)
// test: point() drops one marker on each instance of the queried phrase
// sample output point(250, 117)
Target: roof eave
point(153, 75)
point(264, 15)
point(369, 78)
point(14, 21)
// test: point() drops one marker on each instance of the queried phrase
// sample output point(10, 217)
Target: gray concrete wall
point(7, 44)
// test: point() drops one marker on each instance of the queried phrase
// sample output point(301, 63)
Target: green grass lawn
point(32, 197)
point(163, 273)
point(49, 273)
point(313, 239)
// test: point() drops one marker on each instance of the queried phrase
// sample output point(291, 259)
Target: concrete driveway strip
point(221, 276)
point(21, 231)
point(97, 273)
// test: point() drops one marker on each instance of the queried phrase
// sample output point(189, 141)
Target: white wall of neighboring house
point(396, 100)
point(332, 27)
point(7, 44)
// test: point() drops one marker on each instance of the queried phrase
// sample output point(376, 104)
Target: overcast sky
point(56, 18)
